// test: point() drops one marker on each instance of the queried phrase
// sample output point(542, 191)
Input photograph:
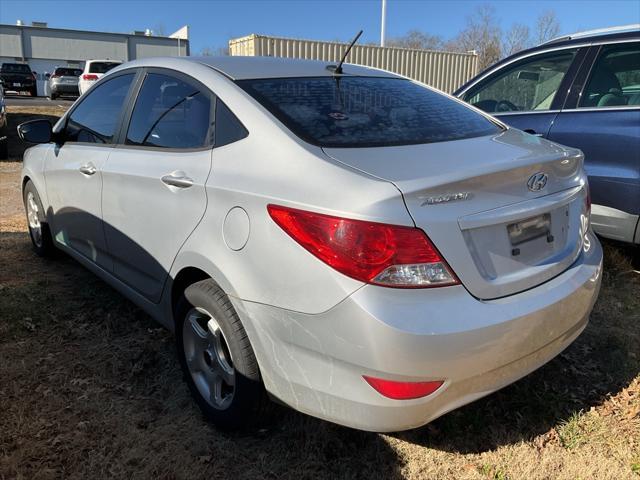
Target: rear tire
point(4, 149)
point(53, 96)
point(217, 359)
point(39, 231)
point(33, 92)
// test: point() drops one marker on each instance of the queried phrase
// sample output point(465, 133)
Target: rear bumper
point(315, 363)
point(62, 88)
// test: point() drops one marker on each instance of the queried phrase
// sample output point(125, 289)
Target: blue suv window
point(615, 78)
point(527, 85)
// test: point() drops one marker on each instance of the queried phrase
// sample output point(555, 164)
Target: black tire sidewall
point(249, 392)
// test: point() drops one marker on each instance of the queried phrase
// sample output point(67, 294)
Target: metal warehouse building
point(443, 70)
point(44, 48)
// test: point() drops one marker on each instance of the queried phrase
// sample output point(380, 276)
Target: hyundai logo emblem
point(537, 181)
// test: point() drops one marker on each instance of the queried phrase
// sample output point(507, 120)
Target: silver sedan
point(361, 247)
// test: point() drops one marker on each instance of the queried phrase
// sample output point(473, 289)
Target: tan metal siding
point(443, 70)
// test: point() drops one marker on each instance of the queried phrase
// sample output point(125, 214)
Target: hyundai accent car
point(360, 247)
point(581, 90)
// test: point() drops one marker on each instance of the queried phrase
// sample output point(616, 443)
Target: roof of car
point(588, 34)
point(242, 68)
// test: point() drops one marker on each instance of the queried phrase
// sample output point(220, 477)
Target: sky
point(213, 23)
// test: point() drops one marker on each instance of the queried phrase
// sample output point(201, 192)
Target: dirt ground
point(90, 388)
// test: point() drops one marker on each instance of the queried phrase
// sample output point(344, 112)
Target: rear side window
point(366, 111)
point(102, 67)
point(615, 78)
point(97, 117)
point(171, 113)
point(15, 68)
point(228, 127)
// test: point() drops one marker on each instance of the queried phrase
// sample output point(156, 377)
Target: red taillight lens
point(388, 255)
point(89, 77)
point(402, 390)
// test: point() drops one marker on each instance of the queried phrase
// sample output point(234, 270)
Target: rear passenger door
point(154, 180)
point(528, 92)
point(602, 118)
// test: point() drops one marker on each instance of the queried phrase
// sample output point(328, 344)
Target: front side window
point(171, 113)
point(366, 111)
point(530, 85)
point(97, 117)
point(615, 78)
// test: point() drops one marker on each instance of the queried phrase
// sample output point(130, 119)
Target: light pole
point(383, 23)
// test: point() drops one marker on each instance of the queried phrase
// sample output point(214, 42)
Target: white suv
point(93, 71)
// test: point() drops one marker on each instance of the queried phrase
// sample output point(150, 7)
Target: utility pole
point(383, 23)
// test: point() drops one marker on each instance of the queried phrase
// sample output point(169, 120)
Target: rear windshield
point(102, 67)
point(366, 111)
point(68, 72)
point(15, 68)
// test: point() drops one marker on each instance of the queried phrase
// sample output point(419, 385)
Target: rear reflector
point(89, 77)
point(387, 255)
point(402, 390)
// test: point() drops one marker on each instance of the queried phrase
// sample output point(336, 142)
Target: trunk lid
point(507, 211)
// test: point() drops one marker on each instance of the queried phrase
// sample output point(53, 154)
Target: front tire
point(39, 231)
point(216, 357)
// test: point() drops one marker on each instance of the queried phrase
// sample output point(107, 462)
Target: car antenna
point(338, 70)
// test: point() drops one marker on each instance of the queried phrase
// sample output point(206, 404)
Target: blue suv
point(583, 91)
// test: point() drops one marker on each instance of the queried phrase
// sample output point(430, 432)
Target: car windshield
point(102, 67)
point(68, 72)
point(15, 68)
point(366, 111)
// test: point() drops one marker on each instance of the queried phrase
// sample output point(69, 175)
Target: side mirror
point(35, 131)
point(47, 76)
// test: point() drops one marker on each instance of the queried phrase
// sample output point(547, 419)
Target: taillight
point(88, 76)
point(387, 255)
point(402, 390)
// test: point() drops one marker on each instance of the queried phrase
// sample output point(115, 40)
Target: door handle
point(88, 169)
point(531, 131)
point(177, 179)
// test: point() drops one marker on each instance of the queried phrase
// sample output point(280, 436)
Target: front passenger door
point(73, 174)
point(154, 182)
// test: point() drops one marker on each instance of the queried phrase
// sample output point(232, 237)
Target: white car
point(364, 248)
point(93, 71)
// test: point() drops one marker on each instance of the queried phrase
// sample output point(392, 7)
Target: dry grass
point(90, 388)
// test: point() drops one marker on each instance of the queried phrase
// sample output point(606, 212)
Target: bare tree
point(159, 30)
point(515, 39)
point(214, 51)
point(417, 40)
point(547, 26)
point(482, 34)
